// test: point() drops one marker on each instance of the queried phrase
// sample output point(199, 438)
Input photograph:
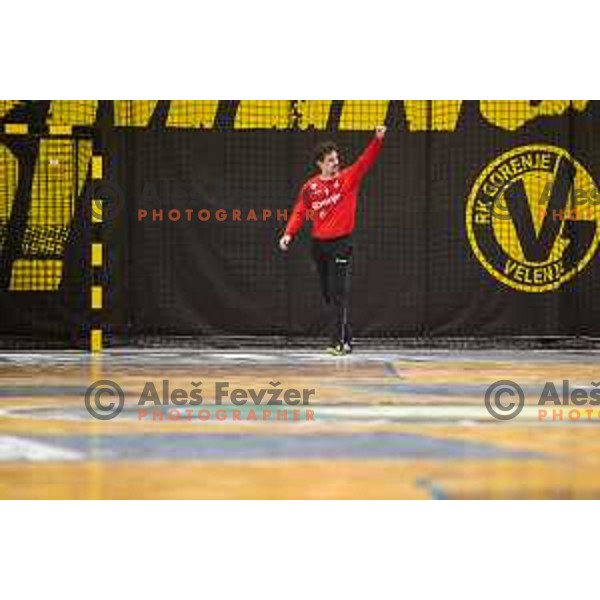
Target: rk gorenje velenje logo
point(523, 220)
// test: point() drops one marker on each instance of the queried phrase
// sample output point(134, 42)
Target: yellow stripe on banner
point(96, 340)
point(263, 114)
point(96, 297)
point(72, 112)
point(35, 275)
point(60, 129)
point(434, 115)
point(133, 113)
point(513, 114)
point(96, 210)
point(314, 113)
point(96, 254)
point(16, 128)
point(97, 167)
point(363, 114)
point(192, 113)
point(7, 105)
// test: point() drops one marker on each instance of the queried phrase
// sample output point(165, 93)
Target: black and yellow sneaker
point(336, 350)
point(339, 349)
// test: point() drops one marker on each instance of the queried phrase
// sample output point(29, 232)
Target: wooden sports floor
point(403, 424)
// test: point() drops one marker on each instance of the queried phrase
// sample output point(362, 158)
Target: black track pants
point(334, 264)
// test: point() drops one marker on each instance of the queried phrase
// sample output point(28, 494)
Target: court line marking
point(209, 356)
point(390, 369)
point(224, 447)
point(434, 489)
point(461, 414)
point(16, 448)
point(424, 412)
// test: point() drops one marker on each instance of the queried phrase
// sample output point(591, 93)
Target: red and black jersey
point(331, 203)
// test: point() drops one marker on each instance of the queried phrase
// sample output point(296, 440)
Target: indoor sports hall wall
point(161, 218)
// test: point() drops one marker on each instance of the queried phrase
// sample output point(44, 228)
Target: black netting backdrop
point(415, 276)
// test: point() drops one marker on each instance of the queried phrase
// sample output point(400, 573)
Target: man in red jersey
point(329, 200)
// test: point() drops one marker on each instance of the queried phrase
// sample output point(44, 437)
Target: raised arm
point(364, 162)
